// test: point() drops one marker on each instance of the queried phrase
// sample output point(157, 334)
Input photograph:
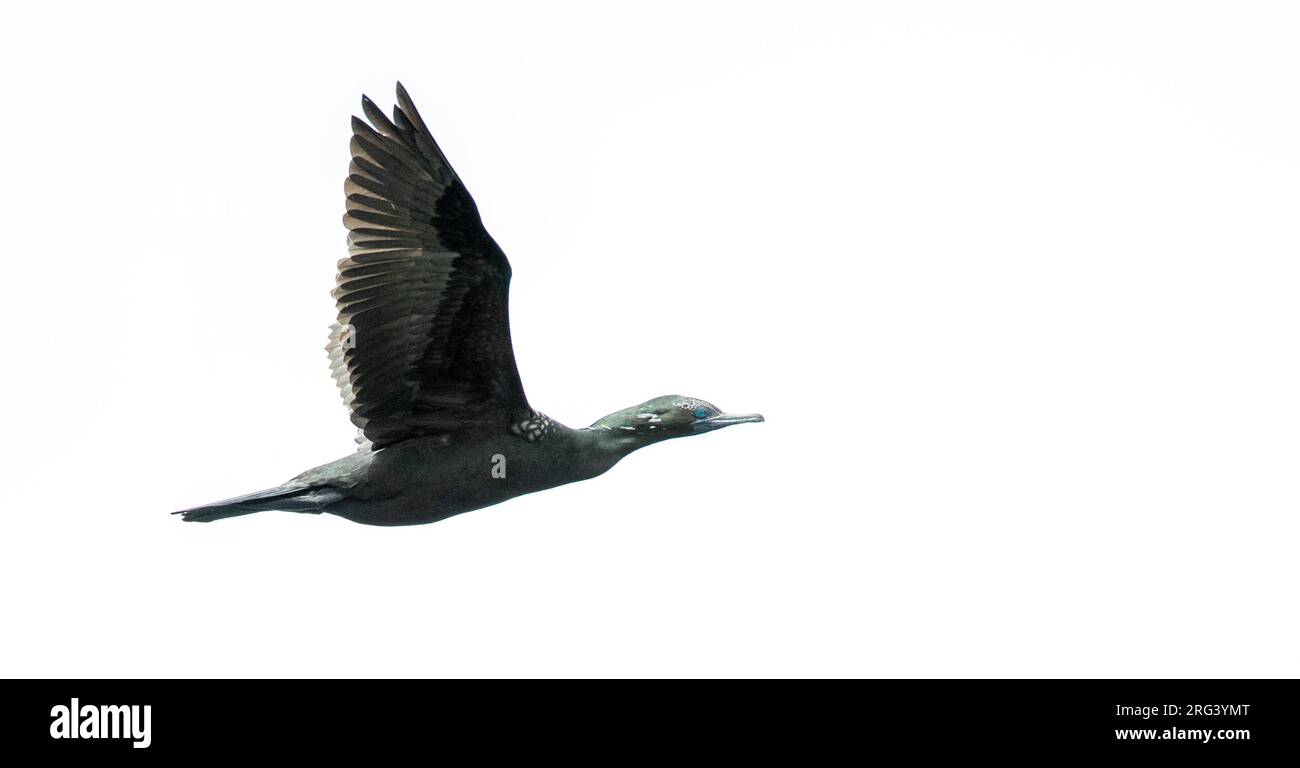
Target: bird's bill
point(726, 420)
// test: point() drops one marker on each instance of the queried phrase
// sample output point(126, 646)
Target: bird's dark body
point(423, 359)
point(429, 479)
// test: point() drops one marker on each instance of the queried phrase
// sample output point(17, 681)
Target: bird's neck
point(608, 446)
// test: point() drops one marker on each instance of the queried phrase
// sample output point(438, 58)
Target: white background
point(1014, 284)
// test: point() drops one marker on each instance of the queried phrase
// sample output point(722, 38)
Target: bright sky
point(1014, 284)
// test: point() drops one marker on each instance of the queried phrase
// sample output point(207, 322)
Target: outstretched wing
point(423, 343)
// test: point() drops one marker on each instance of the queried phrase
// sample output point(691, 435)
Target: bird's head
point(668, 416)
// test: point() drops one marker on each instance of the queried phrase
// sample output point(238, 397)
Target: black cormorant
point(422, 356)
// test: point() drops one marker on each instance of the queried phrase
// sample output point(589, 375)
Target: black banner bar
point(215, 718)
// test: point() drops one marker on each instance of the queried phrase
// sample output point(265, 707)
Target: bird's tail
point(288, 498)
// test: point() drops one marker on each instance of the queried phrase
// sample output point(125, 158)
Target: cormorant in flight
point(422, 356)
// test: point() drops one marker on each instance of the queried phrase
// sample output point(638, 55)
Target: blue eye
point(700, 413)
